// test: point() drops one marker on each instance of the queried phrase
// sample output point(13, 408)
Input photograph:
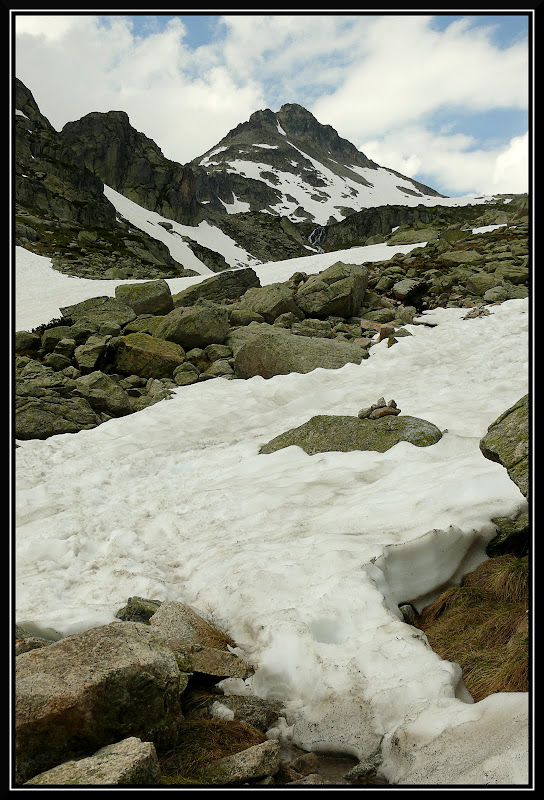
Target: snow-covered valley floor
point(302, 559)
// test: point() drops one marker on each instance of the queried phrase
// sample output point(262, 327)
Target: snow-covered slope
point(303, 559)
point(174, 237)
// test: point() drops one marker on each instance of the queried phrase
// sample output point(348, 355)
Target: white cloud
point(95, 66)
point(453, 161)
point(512, 166)
point(410, 70)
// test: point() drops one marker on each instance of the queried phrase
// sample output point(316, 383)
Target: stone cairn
point(379, 409)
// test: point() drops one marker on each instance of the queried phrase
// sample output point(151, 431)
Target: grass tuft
point(482, 625)
point(202, 741)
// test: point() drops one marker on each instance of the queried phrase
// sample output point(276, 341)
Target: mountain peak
point(287, 163)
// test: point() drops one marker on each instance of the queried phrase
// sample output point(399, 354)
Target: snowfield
point(302, 559)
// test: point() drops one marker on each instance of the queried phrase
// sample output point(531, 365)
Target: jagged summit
point(290, 164)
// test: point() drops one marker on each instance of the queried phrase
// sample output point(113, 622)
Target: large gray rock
point(328, 433)
point(461, 257)
point(92, 689)
point(481, 282)
point(130, 762)
point(147, 356)
point(270, 302)
point(409, 290)
point(279, 353)
point(99, 310)
point(507, 442)
point(88, 355)
point(198, 326)
point(225, 286)
point(151, 297)
point(337, 291)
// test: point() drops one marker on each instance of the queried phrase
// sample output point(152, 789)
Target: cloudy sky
point(442, 99)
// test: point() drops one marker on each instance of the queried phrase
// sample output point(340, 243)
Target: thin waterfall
point(316, 236)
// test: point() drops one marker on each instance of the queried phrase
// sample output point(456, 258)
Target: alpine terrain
point(272, 454)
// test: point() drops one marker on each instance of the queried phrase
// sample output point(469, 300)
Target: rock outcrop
point(61, 210)
point(133, 165)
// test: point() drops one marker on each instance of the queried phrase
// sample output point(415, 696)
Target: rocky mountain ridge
point(289, 163)
point(61, 210)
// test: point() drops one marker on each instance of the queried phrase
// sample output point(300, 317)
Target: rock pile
point(149, 700)
point(379, 409)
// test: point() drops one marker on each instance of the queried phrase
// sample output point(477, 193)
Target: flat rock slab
point(130, 762)
point(324, 433)
point(269, 354)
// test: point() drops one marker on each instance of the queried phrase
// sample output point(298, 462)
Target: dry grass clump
point(202, 741)
point(482, 625)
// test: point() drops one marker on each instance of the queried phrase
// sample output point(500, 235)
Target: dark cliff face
point(49, 180)
point(61, 210)
point(129, 162)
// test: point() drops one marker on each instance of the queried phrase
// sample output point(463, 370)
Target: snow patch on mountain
point(204, 234)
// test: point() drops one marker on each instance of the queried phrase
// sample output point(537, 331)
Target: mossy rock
point(324, 433)
point(138, 609)
point(507, 442)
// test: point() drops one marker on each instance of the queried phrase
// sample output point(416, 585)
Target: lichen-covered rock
point(87, 355)
point(409, 289)
point(104, 394)
point(98, 310)
point(92, 689)
point(338, 290)
point(138, 609)
point(151, 297)
point(513, 536)
point(225, 286)
point(147, 356)
point(203, 644)
point(507, 442)
point(130, 762)
point(25, 341)
point(51, 414)
point(328, 433)
point(270, 302)
point(197, 326)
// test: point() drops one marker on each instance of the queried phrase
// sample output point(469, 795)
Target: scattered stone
point(478, 311)
point(253, 763)
point(379, 409)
